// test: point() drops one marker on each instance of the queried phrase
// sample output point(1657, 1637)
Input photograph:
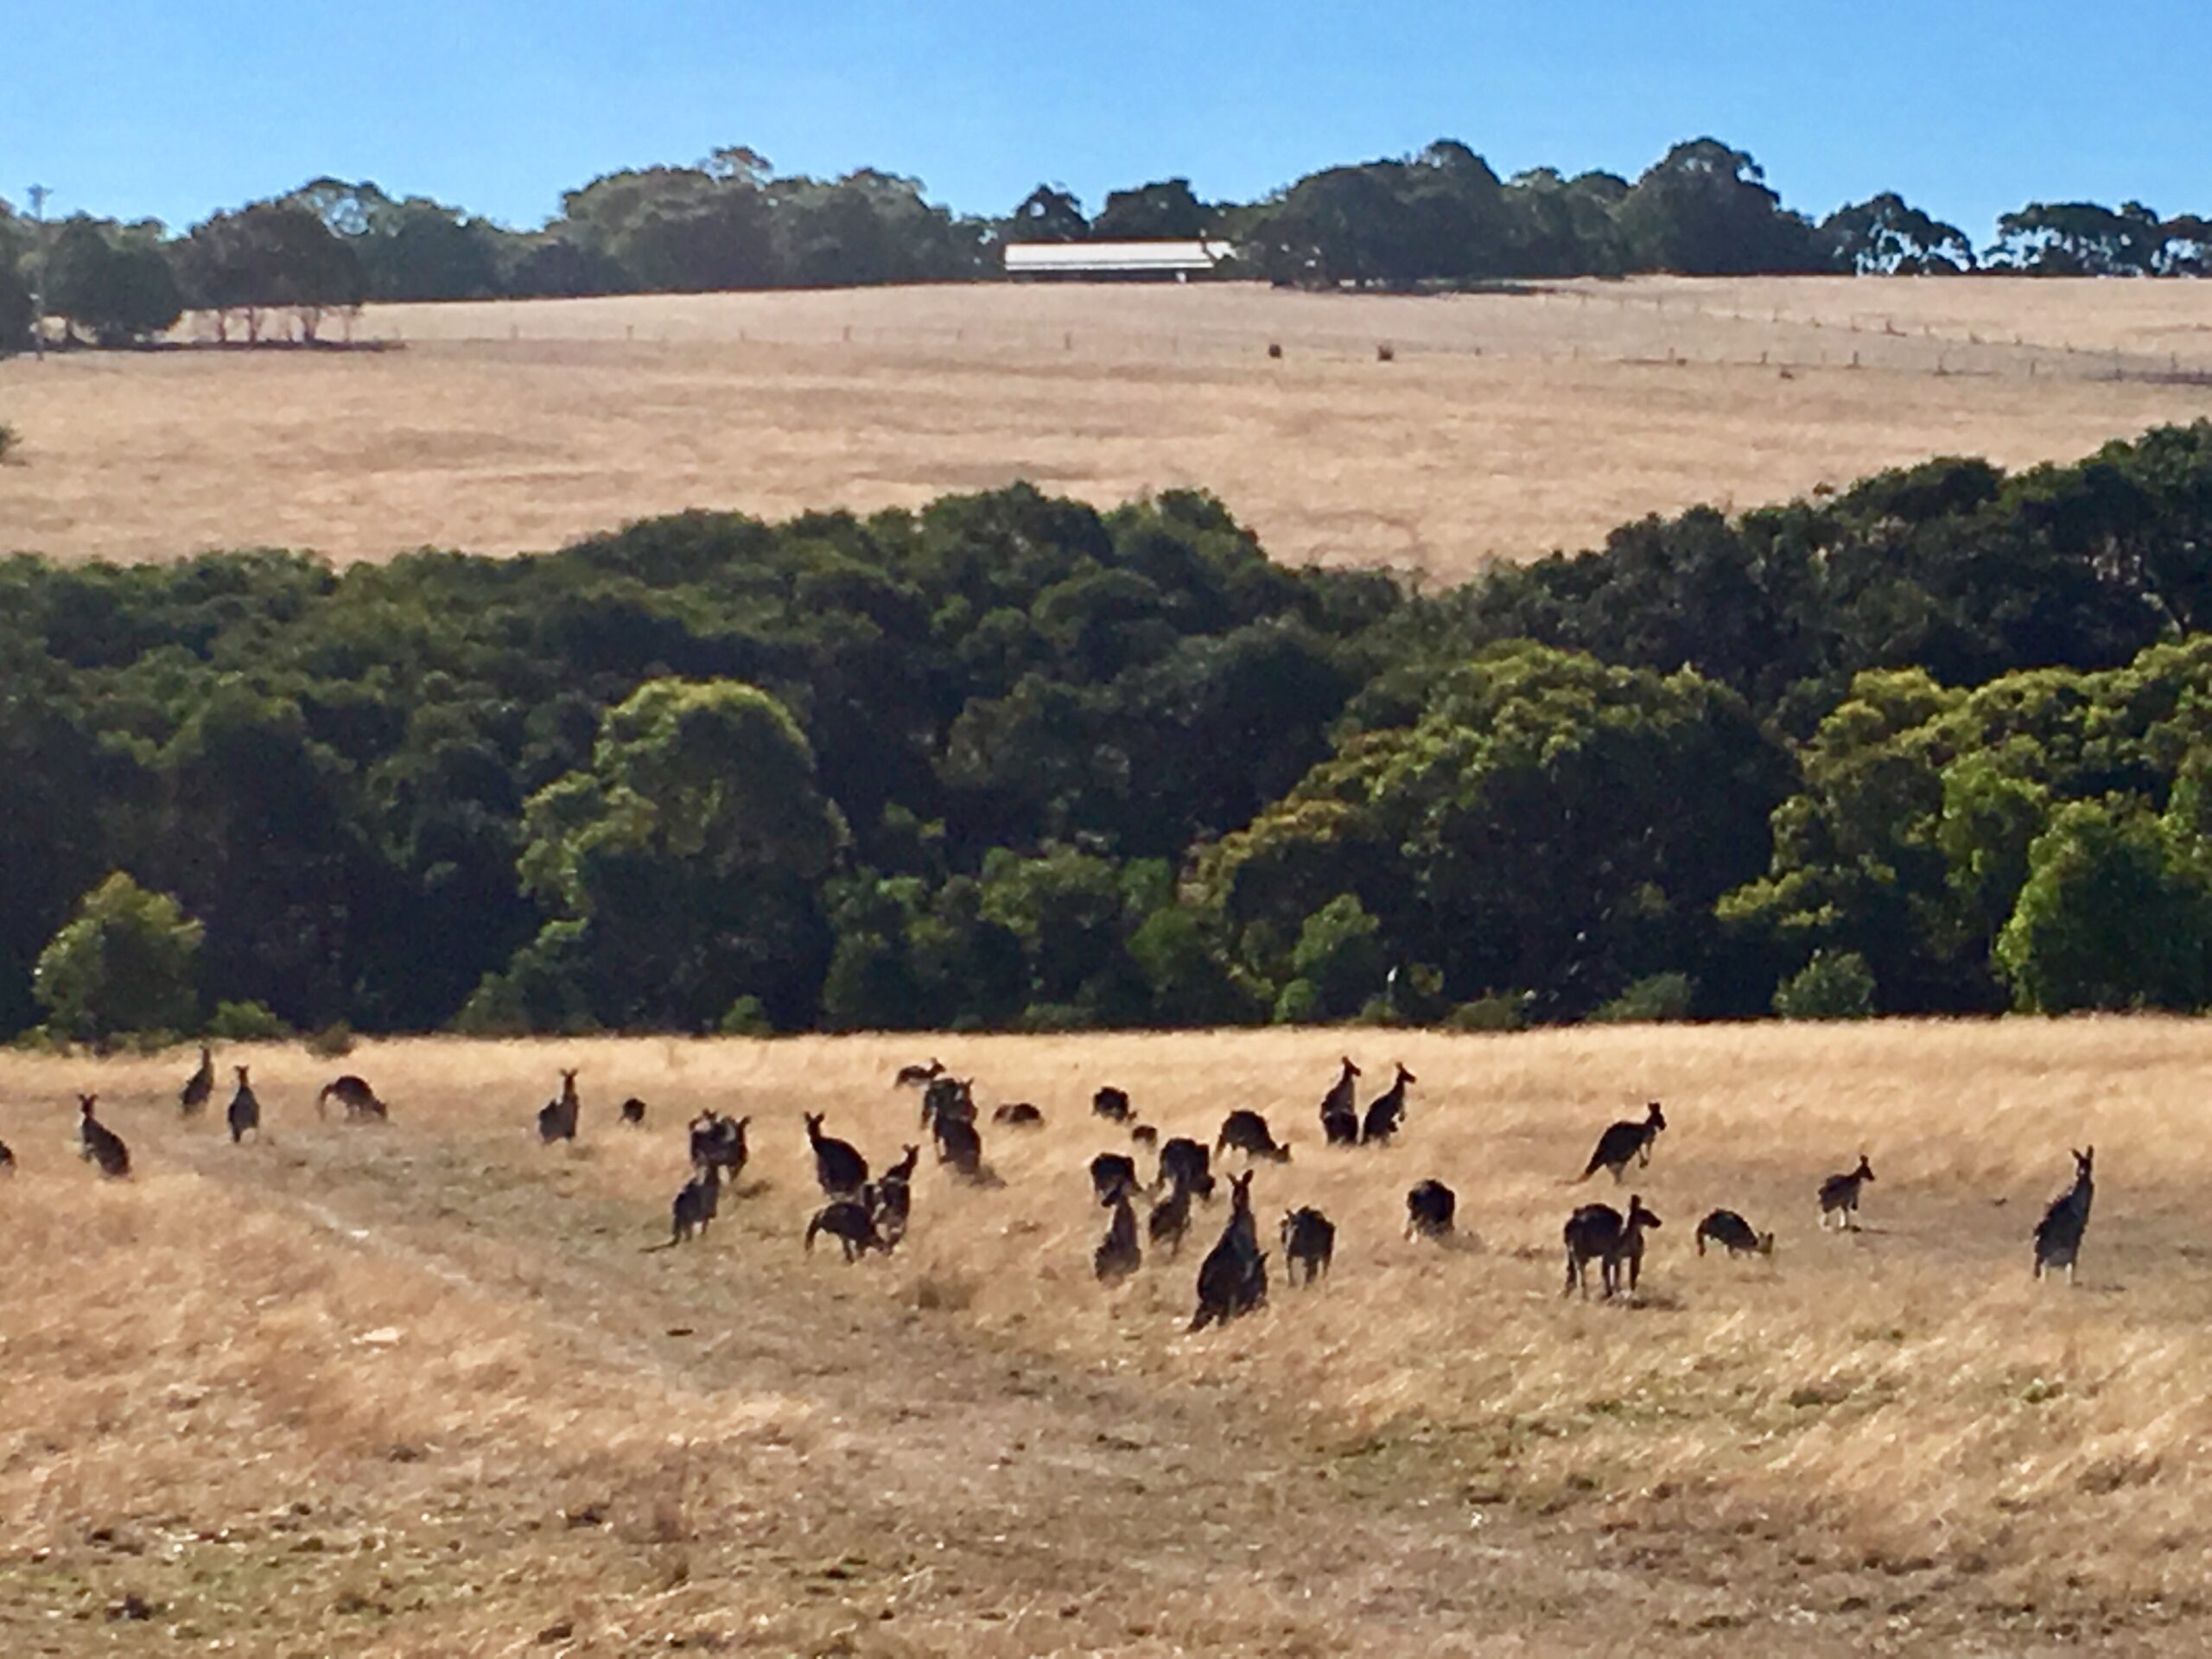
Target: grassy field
point(427, 1389)
point(1507, 426)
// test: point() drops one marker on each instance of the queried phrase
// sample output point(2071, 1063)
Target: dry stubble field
point(425, 1388)
point(1509, 425)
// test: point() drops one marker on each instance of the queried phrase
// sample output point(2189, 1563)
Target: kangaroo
point(1117, 1255)
point(1308, 1238)
point(1248, 1133)
point(198, 1086)
point(1341, 1105)
point(7, 1160)
point(891, 1200)
point(1143, 1134)
point(1233, 1279)
point(696, 1205)
point(1386, 1110)
point(848, 1221)
point(100, 1143)
point(353, 1094)
point(948, 1099)
point(556, 1120)
point(960, 1147)
point(2058, 1235)
point(1733, 1234)
point(1187, 1163)
point(1170, 1219)
point(1018, 1115)
point(1625, 1140)
point(1839, 1196)
point(1599, 1231)
point(1430, 1208)
point(837, 1166)
point(633, 1112)
point(244, 1114)
point(1111, 1104)
point(918, 1076)
point(718, 1142)
point(1113, 1172)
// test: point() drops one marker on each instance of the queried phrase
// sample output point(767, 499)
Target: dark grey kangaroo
point(1839, 1196)
point(848, 1222)
point(1233, 1279)
point(1309, 1240)
point(1599, 1232)
point(198, 1086)
point(1386, 1110)
point(1117, 1255)
point(1430, 1208)
point(353, 1094)
point(556, 1119)
point(1248, 1132)
point(100, 1143)
point(2058, 1235)
point(1625, 1140)
point(245, 1113)
point(1733, 1234)
point(696, 1205)
point(1340, 1109)
point(837, 1166)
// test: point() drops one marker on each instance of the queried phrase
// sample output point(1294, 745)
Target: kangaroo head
point(1864, 1172)
point(86, 1102)
point(813, 1123)
point(1653, 1117)
point(1766, 1244)
point(1240, 1191)
point(241, 1072)
point(569, 1073)
point(2081, 1162)
point(1404, 1076)
point(1637, 1215)
point(1351, 1070)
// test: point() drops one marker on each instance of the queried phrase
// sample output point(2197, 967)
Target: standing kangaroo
point(198, 1086)
point(1625, 1140)
point(840, 1169)
point(1599, 1232)
point(1117, 1255)
point(1386, 1110)
point(556, 1119)
point(1233, 1279)
point(100, 1143)
point(2058, 1235)
point(1340, 1109)
point(244, 1114)
point(1839, 1196)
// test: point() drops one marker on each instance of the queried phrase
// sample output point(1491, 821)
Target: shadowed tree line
point(1440, 217)
point(1936, 743)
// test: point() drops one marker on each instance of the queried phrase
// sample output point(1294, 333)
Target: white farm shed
point(1078, 260)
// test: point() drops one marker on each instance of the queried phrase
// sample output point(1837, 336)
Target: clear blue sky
point(147, 107)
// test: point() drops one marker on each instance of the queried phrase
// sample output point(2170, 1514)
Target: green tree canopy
point(126, 963)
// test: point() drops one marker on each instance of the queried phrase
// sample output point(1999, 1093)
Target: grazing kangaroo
point(354, 1095)
point(1112, 1174)
point(1117, 1255)
point(696, 1205)
point(1308, 1238)
point(1600, 1232)
point(1340, 1108)
point(1111, 1104)
point(1430, 1208)
point(1018, 1115)
point(100, 1143)
point(1143, 1134)
point(198, 1086)
point(1248, 1133)
point(918, 1076)
point(556, 1120)
point(1233, 1279)
point(2058, 1235)
point(1625, 1140)
point(1839, 1196)
point(848, 1221)
point(837, 1166)
point(1386, 1110)
point(1733, 1234)
point(1187, 1163)
point(1170, 1219)
point(244, 1114)
point(633, 1112)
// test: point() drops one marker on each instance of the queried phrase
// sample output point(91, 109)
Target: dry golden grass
point(427, 1389)
point(1507, 425)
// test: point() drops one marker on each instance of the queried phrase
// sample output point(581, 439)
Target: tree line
point(1440, 217)
point(1934, 744)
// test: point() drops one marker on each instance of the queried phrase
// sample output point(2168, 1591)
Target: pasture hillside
point(1508, 424)
point(425, 1388)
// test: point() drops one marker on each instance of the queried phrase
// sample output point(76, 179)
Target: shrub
point(1500, 1011)
point(746, 1018)
point(1299, 1004)
point(126, 963)
point(246, 1022)
point(1647, 1001)
point(333, 1041)
point(1835, 985)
